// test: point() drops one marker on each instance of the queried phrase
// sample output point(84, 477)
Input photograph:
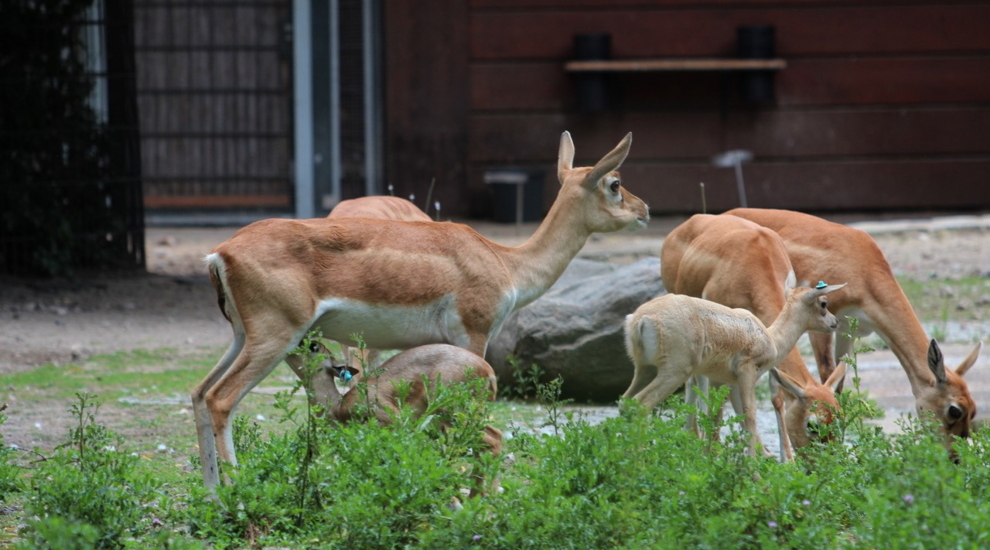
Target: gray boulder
point(575, 329)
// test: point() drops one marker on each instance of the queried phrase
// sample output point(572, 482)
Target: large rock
point(575, 329)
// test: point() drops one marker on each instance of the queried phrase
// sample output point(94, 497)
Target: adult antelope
point(819, 249)
point(400, 284)
point(739, 264)
point(380, 207)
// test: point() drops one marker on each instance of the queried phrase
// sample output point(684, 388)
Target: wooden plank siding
point(426, 100)
point(215, 104)
point(883, 105)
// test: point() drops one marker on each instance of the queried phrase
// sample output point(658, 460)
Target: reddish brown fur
point(823, 250)
point(437, 363)
point(381, 207)
point(402, 284)
point(740, 264)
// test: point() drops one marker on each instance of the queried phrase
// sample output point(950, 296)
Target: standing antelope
point(400, 284)
point(674, 337)
point(381, 207)
point(819, 249)
point(739, 264)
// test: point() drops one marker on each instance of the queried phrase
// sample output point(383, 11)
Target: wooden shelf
point(652, 65)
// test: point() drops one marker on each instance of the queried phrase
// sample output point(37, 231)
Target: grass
point(634, 481)
point(936, 302)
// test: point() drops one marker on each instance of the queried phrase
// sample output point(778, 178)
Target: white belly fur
point(389, 326)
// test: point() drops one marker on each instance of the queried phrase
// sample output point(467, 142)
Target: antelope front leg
point(780, 411)
point(747, 398)
point(693, 398)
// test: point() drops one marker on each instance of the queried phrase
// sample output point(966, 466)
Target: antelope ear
point(838, 376)
point(565, 157)
point(817, 291)
point(936, 362)
point(970, 359)
point(789, 384)
point(609, 162)
point(344, 372)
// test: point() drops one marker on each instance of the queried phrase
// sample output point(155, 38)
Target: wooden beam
point(650, 65)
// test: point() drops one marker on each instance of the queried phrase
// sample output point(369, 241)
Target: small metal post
point(519, 204)
point(735, 158)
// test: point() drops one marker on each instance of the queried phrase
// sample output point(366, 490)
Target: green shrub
point(10, 473)
point(91, 487)
point(359, 485)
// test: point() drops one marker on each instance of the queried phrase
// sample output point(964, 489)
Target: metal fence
point(69, 158)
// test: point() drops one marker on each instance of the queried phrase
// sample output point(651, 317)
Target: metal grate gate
point(70, 163)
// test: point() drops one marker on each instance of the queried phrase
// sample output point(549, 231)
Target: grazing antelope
point(431, 364)
point(399, 284)
point(380, 207)
point(739, 264)
point(674, 337)
point(819, 249)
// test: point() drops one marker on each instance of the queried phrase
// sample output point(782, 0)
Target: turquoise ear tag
point(346, 375)
point(821, 284)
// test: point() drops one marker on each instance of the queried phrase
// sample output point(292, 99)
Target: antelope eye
point(314, 347)
point(615, 186)
point(955, 412)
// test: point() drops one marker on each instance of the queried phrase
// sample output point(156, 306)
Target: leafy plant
point(549, 395)
point(9, 472)
point(91, 489)
point(525, 382)
point(855, 409)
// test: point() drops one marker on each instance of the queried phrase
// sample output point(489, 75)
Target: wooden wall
point(882, 106)
point(215, 103)
point(426, 99)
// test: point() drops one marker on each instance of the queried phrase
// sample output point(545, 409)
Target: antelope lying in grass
point(674, 337)
point(399, 284)
point(416, 367)
point(822, 250)
point(739, 264)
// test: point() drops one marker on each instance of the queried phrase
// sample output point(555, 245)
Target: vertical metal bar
point(302, 91)
point(519, 202)
point(335, 183)
point(740, 184)
point(370, 53)
point(96, 59)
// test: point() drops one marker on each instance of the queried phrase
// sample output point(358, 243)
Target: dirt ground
point(174, 306)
